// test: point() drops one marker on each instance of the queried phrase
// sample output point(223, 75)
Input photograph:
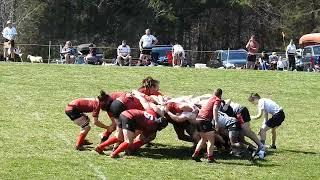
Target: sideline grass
point(36, 138)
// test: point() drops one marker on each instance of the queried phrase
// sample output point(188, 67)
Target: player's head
point(151, 84)
point(162, 123)
point(9, 23)
point(253, 37)
point(254, 98)
point(223, 106)
point(218, 93)
point(124, 42)
point(173, 108)
point(105, 100)
point(148, 31)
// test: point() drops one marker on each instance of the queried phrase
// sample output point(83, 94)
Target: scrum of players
point(208, 121)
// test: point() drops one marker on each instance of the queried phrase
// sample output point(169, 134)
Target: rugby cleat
point(272, 147)
point(196, 158)
point(80, 148)
point(87, 142)
point(211, 160)
point(98, 150)
point(114, 156)
point(103, 138)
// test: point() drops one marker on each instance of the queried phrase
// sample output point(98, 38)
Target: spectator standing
point(9, 33)
point(146, 43)
point(124, 57)
point(178, 55)
point(252, 47)
point(69, 53)
point(290, 53)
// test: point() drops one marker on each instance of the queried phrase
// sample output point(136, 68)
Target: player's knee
point(86, 127)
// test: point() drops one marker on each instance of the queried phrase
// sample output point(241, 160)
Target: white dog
point(35, 59)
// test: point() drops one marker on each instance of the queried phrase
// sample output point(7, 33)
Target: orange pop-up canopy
point(310, 39)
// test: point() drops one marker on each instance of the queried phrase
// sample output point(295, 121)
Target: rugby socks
point(210, 159)
point(80, 139)
point(108, 142)
point(195, 156)
point(123, 146)
point(105, 136)
point(196, 153)
point(136, 145)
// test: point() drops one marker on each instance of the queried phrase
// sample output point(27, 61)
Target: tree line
point(196, 24)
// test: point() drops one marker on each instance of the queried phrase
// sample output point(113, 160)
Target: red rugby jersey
point(145, 120)
point(130, 101)
point(149, 92)
point(206, 112)
point(86, 105)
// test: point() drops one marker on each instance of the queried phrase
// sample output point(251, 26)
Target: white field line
point(94, 167)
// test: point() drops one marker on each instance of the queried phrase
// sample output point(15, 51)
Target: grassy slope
point(36, 138)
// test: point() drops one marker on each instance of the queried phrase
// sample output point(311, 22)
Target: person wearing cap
point(9, 33)
point(124, 56)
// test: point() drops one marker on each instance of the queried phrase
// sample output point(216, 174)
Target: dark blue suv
point(160, 54)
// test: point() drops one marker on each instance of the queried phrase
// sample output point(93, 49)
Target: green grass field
point(37, 138)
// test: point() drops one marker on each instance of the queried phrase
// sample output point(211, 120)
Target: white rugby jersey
point(269, 106)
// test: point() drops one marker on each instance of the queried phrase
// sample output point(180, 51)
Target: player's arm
point(160, 99)
point(118, 52)
point(176, 118)
point(98, 123)
point(248, 44)
point(215, 116)
point(155, 41)
point(143, 101)
point(140, 44)
point(227, 104)
point(129, 52)
point(259, 115)
point(265, 116)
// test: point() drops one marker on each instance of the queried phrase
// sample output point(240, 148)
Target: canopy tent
point(310, 39)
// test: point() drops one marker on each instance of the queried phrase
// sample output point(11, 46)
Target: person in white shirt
point(123, 52)
point(178, 55)
point(266, 107)
point(146, 43)
point(280, 65)
point(291, 55)
point(9, 33)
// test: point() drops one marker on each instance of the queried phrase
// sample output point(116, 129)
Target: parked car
point(310, 57)
point(229, 58)
point(161, 54)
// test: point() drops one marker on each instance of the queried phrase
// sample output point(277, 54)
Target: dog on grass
point(35, 59)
